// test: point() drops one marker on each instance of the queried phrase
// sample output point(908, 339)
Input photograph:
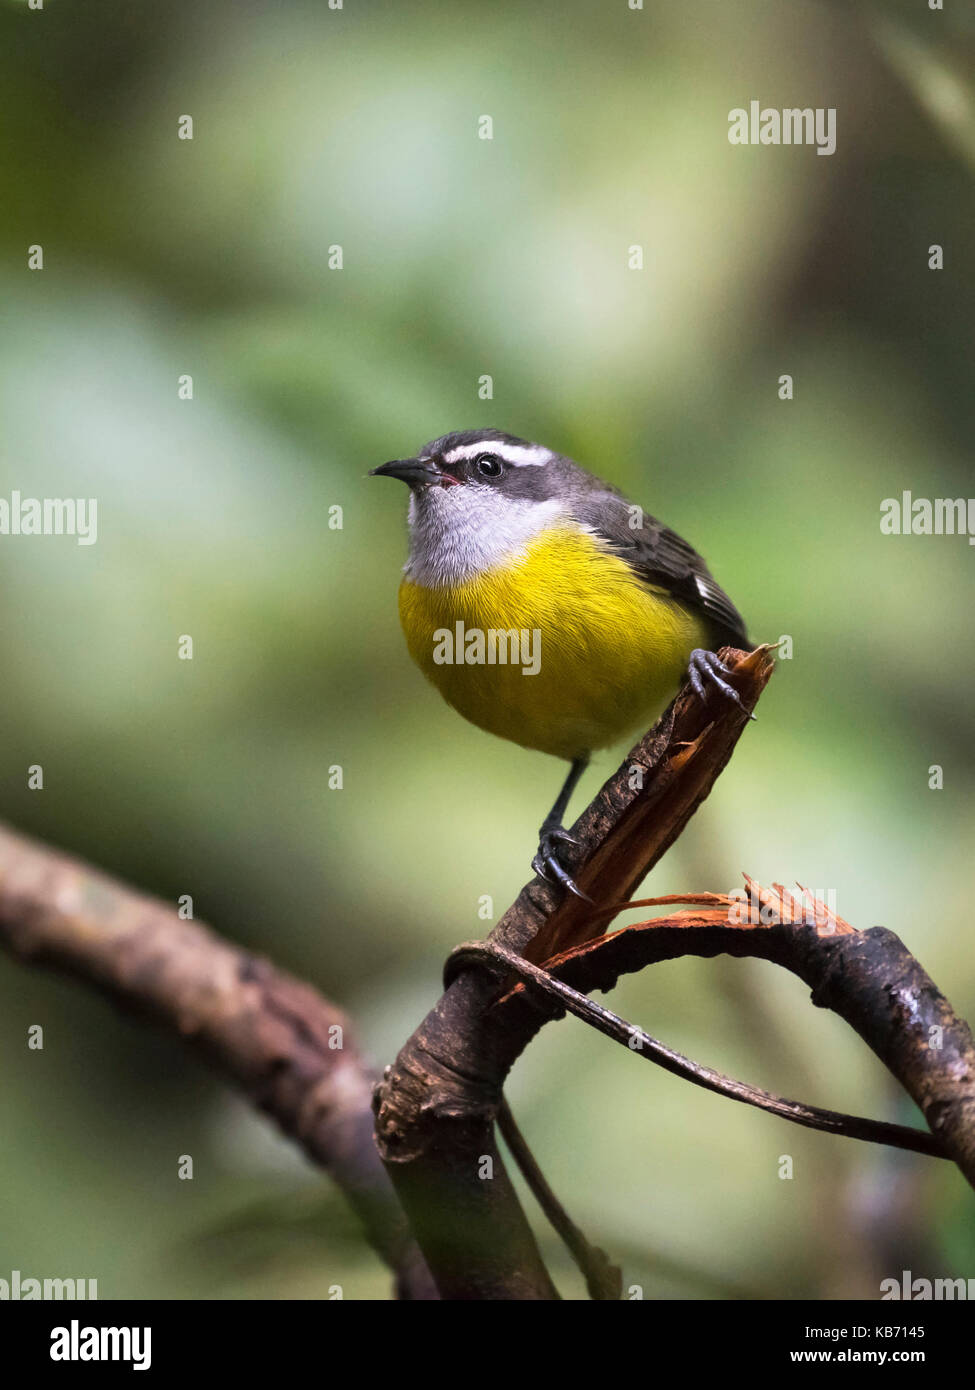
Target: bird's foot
point(546, 862)
point(706, 670)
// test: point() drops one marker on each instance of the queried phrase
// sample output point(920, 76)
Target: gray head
point(478, 496)
point(488, 459)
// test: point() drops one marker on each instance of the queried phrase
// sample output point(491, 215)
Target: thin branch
point(869, 978)
point(603, 1279)
point(635, 1040)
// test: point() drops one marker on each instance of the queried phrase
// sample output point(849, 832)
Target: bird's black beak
point(414, 472)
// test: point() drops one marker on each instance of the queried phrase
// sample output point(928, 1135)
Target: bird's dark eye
point(489, 465)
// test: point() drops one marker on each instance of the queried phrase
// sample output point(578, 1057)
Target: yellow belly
point(611, 651)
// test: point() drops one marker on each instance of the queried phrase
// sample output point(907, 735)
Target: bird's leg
point(705, 668)
point(553, 833)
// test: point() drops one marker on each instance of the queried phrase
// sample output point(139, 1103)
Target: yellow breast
point(610, 651)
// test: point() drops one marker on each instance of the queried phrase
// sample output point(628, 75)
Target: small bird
point(546, 608)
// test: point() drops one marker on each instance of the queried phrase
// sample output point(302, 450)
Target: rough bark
point(270, 1034)
point(437, 1105)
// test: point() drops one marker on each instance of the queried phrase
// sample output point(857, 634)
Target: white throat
point(458, 532)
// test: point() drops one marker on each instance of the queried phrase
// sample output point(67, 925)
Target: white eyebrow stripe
point(518, 455)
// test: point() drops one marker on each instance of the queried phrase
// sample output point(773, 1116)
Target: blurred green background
point(465, 257)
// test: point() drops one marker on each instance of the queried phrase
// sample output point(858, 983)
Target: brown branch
point(638, 814)
point(435, 1109)
point(437, 1106)
point(869, 978)
point(270, 1034)
point(548, 982)
point(603, 1279)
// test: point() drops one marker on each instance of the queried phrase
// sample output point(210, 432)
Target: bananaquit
point(509, 539)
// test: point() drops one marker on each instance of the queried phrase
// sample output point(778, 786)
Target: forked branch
point(436, 1108)
point(437, 1105)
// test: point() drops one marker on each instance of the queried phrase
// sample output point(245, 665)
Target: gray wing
point(664, 561)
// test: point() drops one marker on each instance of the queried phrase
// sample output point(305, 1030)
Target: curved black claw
point(705, 666)
point(546, 862)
